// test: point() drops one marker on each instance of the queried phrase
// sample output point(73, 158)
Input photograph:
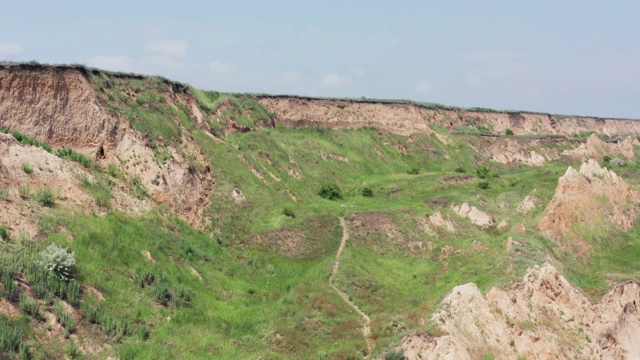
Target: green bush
point(413, 171)
point(509, 132)
point(287, 211)
point(27, 168)
point(483, 185)
point(45, 198)
point(58, 262)
point(330, 191)
point(460, 170)
point(3, 233)
point(482, 172)
point(606, 158)
point(367, 192)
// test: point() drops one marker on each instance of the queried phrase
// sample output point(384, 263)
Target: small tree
point(367, 192)
point(508, 132)
point(58, 261)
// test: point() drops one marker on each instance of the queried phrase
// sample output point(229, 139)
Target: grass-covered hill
point(203, 225)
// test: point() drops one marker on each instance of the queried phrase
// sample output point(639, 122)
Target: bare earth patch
point(542, 317)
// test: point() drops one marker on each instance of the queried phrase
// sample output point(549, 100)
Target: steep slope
point(403, 117)
point(542, 317)
point(586, 200)
point(200, 228)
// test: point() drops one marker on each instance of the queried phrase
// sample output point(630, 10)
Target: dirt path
point(366, 329)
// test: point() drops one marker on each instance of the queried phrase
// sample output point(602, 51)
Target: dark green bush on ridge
point(367, 192)
point(330, 191)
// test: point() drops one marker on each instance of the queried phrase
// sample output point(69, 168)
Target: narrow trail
point(366, 328)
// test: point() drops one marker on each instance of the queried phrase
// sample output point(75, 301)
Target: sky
point(577, 57)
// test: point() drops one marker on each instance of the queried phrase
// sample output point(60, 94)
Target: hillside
point(233, 226)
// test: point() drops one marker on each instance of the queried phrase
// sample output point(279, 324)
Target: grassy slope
point(256, 299)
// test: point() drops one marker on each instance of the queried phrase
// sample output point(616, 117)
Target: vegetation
point(58, 262)
point(27, 168)
point(252, 282)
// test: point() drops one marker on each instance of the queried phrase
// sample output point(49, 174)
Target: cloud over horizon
point(8, 48)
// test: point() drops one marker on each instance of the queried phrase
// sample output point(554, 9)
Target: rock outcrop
point(473, 214)
point(542, 317)
point(595, 148)
point(592, 198)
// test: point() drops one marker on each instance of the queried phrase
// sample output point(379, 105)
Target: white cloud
point(113, 63)
point(10, 48)
point(334, 80)
point(423, 87)
point(168, 47)
point(222, 69)
point(289, 78)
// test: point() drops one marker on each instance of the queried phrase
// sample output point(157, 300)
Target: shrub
point(330, 191)
point(509, 132)
point(606, 158)
point(367, 192)
point(413, 171)
point(27, 168)
point(617, 162)
point(482, 172)
point(460, 170)
point(483, 185)
point(287, 211)
point(45, 198)
point(3, 233)
point(58, 262)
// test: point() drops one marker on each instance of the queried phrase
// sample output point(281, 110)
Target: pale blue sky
point(571, 57)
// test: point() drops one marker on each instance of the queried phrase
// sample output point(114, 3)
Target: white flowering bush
point(58, 261)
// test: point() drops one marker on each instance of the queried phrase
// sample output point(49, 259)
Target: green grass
point(265, 260)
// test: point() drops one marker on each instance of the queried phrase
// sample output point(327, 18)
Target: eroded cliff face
point(408, 118)
point(60, 106)
point(543, 317)
point(56, 105)
point(585, 200)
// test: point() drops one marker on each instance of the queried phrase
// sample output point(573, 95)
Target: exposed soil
point(543, 317)
point(595, 148)
point(59, 106)
point(589, 199)
point(473, 214)
point(408, 118)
